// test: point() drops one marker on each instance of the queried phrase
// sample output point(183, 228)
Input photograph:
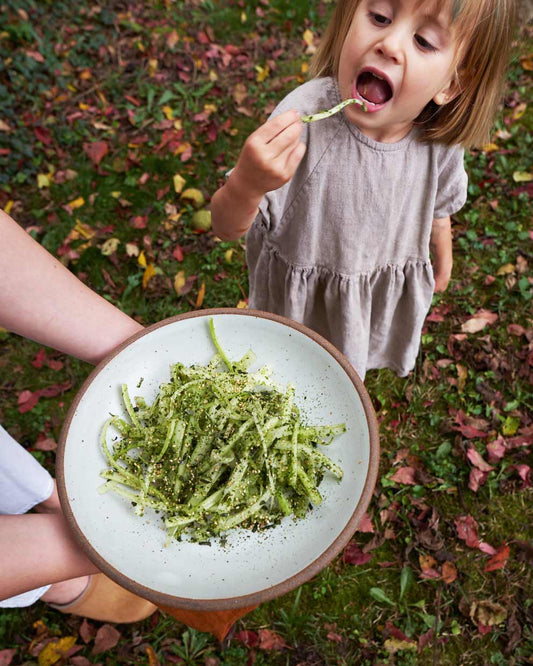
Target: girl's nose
point(391, 46)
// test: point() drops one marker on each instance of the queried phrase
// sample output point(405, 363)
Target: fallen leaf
point(106, 638)
point(45, 444)
point(194, 196)
point(352, 554)
point(56, 650)
point(96, 151)
point(148, 274)
point(478, 322)
point(476, 479)
point(269, 640)
point(200, 296)
point(477, 460)
point(365, 524)
point(110, 246)
point(248, 638)
point(6, 656)
point(393, 645)
point(87, 631)
point(405, 475)
point(487, 613)
point(467, 528)
point(178, 182)
point(449, 572)
point(498, 560)
point(152, 656)
point(522, 177)
point(177, 253)
point(76, 203)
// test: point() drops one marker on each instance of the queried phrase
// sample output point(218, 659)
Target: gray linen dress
point(343, 247)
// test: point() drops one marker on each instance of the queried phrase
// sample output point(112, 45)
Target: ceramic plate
point(251, 567)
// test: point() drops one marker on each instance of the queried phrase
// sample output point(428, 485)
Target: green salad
point(219, 447)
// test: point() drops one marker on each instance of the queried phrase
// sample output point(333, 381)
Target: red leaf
point(39, 359)
point(496, 450)
point(96, 151)
point(477, 460)
point(106, 638)
point(486, 548)
point(248, 638)
point(354, 555)
point(405, 475)
point(43, 135)
point(178, 253)
point(365, 524)
point(484, 629)
point(467, 530)
point(269, 640)
point(476, 479)
point(498, 560)
point(139, 221)
point(469, 427)
point(425, 639)
point(27, 400)
point(332, 636)
point(524, 472)
point(44, 443)
point(87, 631)
point(6, 657)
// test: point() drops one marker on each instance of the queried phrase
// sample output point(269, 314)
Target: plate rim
point(268, 593)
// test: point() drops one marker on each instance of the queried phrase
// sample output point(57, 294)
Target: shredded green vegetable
point(218, 448)
point(320, 115)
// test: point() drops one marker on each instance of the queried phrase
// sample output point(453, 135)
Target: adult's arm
point(38, 549)
point(42, 300)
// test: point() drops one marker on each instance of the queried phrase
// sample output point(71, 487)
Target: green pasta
point(219, 448)
point(320, 115)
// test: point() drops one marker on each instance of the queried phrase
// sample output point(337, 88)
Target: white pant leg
point(23, 481)
point(23, 484)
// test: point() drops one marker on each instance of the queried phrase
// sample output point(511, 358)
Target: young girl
point(342, 213)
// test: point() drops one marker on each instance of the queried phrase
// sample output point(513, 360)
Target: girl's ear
point(449, 92)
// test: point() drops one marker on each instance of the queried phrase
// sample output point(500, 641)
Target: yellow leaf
point(200, 297)
point(83, 230)
point(178, 125)
point(213, 76)
point(179, 282)
point(76, 203)
point(9, 206)
point(142, 260)
point(527, 63)
point(228, 255)
point(308, 37)
point(83, 107)
point(110, 246)
point(179, 182)
point(43, 180)
point(393, 645)
point(149, 273)
point(194, 196)
point(243, 17)
point(242, 305)
point(262, 73)
point(86, 75)
point(152, 66)
point(55, 650)
point(522, 177)
point(304, 68)
point(506, 269)
point(490, 147)
point(519, 110)
point(169, 113)
point(152, 656)
point(116, 194)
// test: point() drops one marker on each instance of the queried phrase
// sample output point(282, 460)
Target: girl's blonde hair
point(484, 31)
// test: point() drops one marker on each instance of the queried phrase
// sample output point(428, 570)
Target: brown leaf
point(499, 559)
point(467, 530)
point(248, 638)
point(405, 475)
point(106, 638)
point(152, 656)
point(87, 631)
point(45, 444)
point(487, 613)
point(449, 572)
point(269, 640)
point(96, 151)
point(354, 555)
point(365, 524)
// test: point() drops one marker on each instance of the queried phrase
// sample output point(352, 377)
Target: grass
point(174, 89)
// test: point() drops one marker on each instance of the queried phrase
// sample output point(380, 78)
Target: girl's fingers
point(287, 139)
point(295, 157)
point(275, 126)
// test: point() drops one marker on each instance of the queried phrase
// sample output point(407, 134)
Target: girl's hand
point(441, 247)
point(270, 156)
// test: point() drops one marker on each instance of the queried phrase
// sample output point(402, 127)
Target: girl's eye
point(379, 19)
point(424, 44)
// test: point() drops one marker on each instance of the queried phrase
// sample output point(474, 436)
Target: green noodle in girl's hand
point(330, 112)
point(218, 448)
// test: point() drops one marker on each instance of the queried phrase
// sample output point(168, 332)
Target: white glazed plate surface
point(131, 549)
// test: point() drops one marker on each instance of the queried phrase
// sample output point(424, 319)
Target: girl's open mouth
point(373, 88)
